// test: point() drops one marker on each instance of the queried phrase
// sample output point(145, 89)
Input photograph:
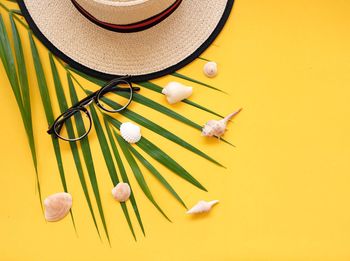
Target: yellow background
point(285, 193)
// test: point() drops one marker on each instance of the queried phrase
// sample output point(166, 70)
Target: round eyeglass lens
point(73, 125)
point(115, 98)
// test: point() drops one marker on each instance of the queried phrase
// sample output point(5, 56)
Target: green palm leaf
point(156, 174)
point(23, 102)
point(181, 76)
point(45, 98)
point(154, 105)
point(109, 162)
point(156, 88)
point(62, 101)
point(157, 129)
point(123, 174)
point(148, 85)
point(161, 157)
point(15, 67)
point(85, 147)
point(138, 174)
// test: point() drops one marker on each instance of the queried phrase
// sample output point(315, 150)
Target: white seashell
point(210, 69)
point(57, 206)
point(130, 132)
point(217, 128)
point(121, 192)
point(202, 206)
point(176, 92)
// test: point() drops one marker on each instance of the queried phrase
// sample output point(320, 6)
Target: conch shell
point(176, 92)
point(57, 206)
point(130, 132)
point(210, 69)
point(121, 192)
point(217, 128)
point(202, 206)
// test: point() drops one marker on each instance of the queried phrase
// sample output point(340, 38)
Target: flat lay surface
point(284, 194)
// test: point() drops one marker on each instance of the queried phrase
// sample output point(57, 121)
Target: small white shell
point(121, 192)
point(210, 69)
point(176, 92)
point(130, 132)
point(202, 206)
point(217, 128)
point(57, 206)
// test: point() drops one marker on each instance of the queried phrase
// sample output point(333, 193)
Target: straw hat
point(142, 38)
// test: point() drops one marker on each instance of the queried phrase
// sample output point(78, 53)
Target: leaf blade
point(157, 175)
point(62, 102)
point(124, 175)
point(184, 77)
point(138, 174)
point(86, 150)
point(161, 157)
point(109, 162)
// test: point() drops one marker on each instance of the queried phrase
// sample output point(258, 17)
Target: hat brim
point(152, 53)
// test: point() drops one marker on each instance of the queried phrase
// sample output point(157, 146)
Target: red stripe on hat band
point(130, 27)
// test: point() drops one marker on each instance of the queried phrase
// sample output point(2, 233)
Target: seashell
point(202, 206)
point(121, 192)
point(176, 92)
point(130, 132)
point(210, 69)
point(217, 128)
point(57, 206)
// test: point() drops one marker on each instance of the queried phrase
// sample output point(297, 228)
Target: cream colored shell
point(176, 92)
point(202, 206)
point(57, 206)
point(210, 69)
point(217, 128)
point(121, 192)
point(130, 132)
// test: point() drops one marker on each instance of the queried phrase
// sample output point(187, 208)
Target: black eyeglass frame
point(93, 97)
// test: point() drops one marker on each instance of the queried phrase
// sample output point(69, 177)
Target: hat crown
point(124, 12)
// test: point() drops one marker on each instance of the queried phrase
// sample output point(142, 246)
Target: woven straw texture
point(145, 52)
point(127, 12)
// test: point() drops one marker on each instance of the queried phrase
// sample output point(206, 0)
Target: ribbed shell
point(130, 132)
point(57, 206)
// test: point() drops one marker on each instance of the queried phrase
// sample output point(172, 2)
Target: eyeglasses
point(76, 123)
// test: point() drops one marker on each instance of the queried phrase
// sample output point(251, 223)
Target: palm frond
point(156, 174)
point(8, 62)
point(13, 59)
point(109, 162)
point(89, 163)
point(62, 101)
point(123, 174)
point(161, 156)
point(184, 77)
point(138, 174)
point(149, 85)
point(157, 128)
point(45, 97)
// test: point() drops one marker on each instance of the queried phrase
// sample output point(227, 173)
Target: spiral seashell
point(176, 92)
point(217, 128)
point(130, 132)
point(210, 69)
point(202, 206)
point(121, 192)
point(57, 206)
